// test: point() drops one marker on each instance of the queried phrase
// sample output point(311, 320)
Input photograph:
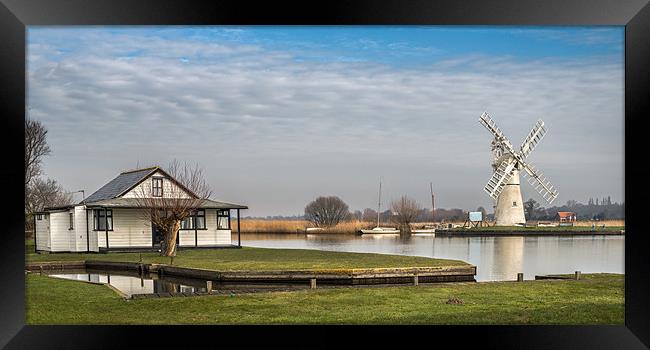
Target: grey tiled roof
point(119, 184)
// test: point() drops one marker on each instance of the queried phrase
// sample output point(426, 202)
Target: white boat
point(314, 229)
point(424, 230)
point(379, 229)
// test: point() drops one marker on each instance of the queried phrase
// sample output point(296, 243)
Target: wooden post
point(87, 232)
point(415, 280)
point(239, 232)
point(35, 240)
point(106, 225)
point(577, 275)
point(208, 286)
point(520, 277)
point(312, 283)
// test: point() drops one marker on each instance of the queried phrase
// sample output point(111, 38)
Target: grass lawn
point(596, 299)
point(248, 258)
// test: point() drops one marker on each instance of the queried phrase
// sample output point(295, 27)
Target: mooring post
point(312, 283)
point(520, 277)
point(415, 280)
point(208, 286)
point(577, 275)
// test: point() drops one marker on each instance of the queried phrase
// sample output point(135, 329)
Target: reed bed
point(299, 226)
point(293, 226)
point(600, 223)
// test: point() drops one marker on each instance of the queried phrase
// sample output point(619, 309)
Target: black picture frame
point(15, 15)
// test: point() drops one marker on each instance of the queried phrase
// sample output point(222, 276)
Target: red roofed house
point(566, 216)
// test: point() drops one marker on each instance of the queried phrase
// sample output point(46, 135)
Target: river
point(495, 258)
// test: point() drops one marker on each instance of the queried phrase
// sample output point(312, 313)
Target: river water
point(495, 258)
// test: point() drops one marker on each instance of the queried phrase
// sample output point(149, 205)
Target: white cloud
point(262, 123)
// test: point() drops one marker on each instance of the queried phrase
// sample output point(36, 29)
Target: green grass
point(596, 299)
point(544, 229)
point(248, 258)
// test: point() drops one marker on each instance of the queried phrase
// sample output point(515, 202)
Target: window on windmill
point(514, 204)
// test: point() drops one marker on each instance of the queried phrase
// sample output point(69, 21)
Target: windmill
point(504, 186)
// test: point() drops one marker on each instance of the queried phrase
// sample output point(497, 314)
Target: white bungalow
point(109, 219)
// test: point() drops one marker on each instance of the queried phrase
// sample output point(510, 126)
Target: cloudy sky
point(277, 116)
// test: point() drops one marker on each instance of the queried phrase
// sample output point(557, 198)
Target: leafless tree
point(369, 215)
point(41, 194)
point(176, 203)
point(35, 148)
point(406, 210)
point(326, 211)
point(46, 193)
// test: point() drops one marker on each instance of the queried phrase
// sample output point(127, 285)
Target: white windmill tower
point(504, 186)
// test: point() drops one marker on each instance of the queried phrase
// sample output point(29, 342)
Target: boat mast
point(379, 202)
point(433, 207)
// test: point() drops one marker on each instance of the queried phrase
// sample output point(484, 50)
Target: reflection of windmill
point(504, 184)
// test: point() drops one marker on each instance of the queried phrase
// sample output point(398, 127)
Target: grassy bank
point(597, 299)
point(248, 258)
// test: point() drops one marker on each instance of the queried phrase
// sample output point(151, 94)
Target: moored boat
point(381, 230)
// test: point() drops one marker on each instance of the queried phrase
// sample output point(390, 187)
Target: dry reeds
point(293, 226)
point(600, 223)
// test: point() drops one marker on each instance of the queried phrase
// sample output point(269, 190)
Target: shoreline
point(463, 233)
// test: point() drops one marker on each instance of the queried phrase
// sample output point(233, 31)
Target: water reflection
point(496, 258)
point(130, 284)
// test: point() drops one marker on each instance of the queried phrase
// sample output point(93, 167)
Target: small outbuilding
point(110, 218)
point(566, 217)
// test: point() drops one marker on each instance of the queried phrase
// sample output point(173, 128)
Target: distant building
point(565, 216)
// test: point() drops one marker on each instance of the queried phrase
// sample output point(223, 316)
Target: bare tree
point(176, 203)
point(46, 193)
point(406, 210)
point(326, 211)
point(35, 148)
point(41, 194)
point(369, 215)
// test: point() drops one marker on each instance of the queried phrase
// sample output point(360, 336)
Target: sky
point(279, 115)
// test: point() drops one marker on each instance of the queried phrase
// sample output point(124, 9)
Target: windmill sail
point(540, 183)
point(489, 124)
point(500, 178)
point(533, 138)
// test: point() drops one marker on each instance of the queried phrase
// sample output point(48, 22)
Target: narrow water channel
point(131, 283)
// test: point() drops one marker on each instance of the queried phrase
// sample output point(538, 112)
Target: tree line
point(598, 209)
point(329, 211)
